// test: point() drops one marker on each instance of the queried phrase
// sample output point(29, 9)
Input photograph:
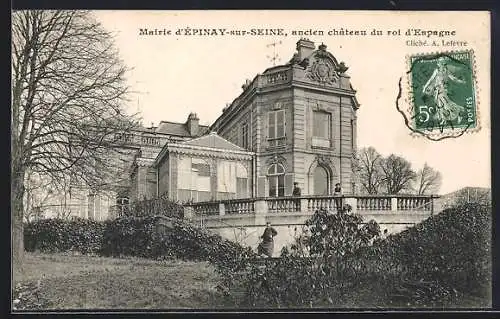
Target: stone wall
point(247, 228)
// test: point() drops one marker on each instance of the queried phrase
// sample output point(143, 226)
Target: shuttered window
point(322, 124)
point(276, 128)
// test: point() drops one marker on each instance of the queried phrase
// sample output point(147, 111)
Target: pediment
point(213, 140)
point(322, 67)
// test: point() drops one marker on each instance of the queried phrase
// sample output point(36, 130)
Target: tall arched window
point(320, 181)
point(276, 180)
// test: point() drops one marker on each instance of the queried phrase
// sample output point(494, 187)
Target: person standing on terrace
point(338, 196)
point(296, 193)
point(266, 247)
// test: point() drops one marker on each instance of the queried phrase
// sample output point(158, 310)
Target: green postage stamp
point(442, 89)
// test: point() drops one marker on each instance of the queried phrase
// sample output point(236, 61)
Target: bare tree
point(68, 94)
point(397, 174)
point(369, 170)
point(428, 181)
point(38, 192)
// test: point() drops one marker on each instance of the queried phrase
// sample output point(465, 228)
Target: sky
point(173, 75)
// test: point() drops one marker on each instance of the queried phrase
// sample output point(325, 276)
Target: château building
point(293, 123)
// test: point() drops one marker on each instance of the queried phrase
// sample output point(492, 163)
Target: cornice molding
point(144, 162)
point(208, 152)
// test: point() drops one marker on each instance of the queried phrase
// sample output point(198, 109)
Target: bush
point(61, 235)
point(161, 206)
point(432, 263)
point(135, 236)
point(131, 236)
point(452, 248)
point(138, 236)
point(318, 280)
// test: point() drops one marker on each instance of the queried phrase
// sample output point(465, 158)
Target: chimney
point(304, 48)
point(193, 124)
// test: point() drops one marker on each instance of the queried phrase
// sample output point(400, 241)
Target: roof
point(213, 140)
point(174, 128)
point(209, 142)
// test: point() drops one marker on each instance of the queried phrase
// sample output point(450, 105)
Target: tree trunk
point(17, 193)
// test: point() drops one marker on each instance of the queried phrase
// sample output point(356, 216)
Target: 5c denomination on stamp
point(442, 94)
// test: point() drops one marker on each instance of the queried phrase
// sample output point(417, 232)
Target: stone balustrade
point(243, 220)
point(207, 208)
point(241, 206)
point(310, 204)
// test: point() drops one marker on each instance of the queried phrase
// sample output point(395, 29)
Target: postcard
point(239, 160)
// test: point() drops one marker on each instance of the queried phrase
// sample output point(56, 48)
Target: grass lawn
point(84, 282)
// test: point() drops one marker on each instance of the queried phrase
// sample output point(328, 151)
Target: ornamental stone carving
point(324, 160)
point(317, 106)
point(276, 159)
point(323, 71)
point(278, 105)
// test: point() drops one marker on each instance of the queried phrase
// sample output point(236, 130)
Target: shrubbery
point(62, 235)
point(451, 249)
point(27, 296)
point(317, 280)
point(161, 206)
point(429, 265)
point(135, 236)
point(130, 236)
point(185, 241)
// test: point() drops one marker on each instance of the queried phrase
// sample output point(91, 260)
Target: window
point(322, 124)
point(193, 179)
point(276, 128)
point(276, 180)
point(244, 135)
point(203, 169)
point(241, 181)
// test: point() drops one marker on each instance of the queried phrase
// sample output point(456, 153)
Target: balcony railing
point(310, 204)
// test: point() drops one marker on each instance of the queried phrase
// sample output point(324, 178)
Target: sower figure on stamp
point(437, 86)
point(296, 192)
point(338, 196)
point(266, 247)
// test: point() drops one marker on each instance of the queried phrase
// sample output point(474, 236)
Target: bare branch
point(428, 181)
point(370, 172)
point(398, 174)
point(68, 96)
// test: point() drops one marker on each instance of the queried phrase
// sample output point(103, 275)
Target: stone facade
point(301, 117)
